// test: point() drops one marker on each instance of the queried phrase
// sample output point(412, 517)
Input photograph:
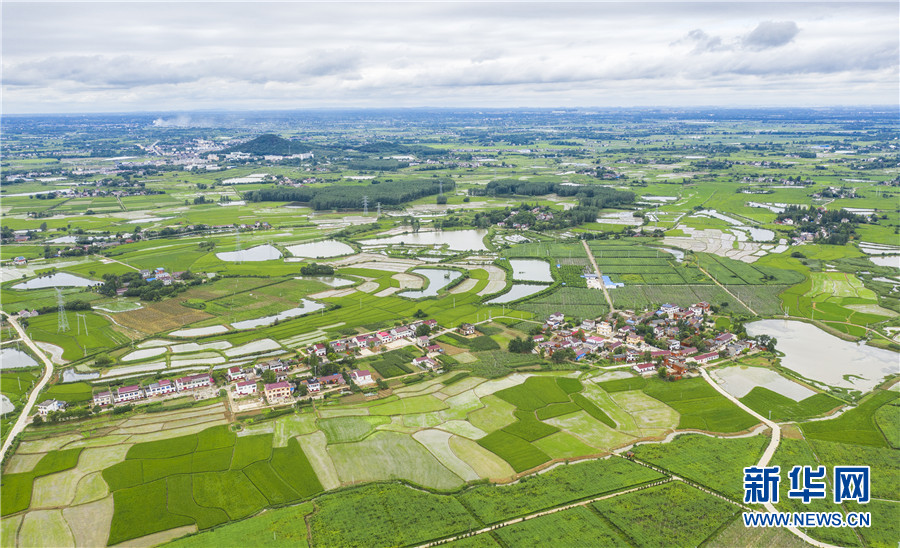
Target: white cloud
point(149, 56)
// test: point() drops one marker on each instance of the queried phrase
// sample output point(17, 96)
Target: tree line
point(351, 196)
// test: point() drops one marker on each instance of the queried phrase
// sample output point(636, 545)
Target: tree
point(38, 420)
point(441, 199)
point(562, 355)
point(422, 330)
point(44, 226)
point(302, 390)
point(381, 384)
point(268, 377)
point(102, 359)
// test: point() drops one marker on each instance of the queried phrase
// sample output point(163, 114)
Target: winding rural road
point(590, 255)
point(22, 421)
point(767, 455)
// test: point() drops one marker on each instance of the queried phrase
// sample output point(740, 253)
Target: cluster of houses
point(161, 275)
point(625, 345)
point(126, 394)
point(373, 340)
point(360, 377)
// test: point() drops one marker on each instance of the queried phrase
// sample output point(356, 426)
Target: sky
point(73, 57)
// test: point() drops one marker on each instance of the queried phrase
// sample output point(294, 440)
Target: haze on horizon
point(77, 57)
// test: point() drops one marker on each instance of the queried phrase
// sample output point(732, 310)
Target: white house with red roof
point(236, 374)
point(361, 376)
point(245, 388)
point(643, 368)
point(192, 382)
point(128, 393)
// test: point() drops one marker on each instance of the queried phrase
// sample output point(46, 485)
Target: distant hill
point(271, 144)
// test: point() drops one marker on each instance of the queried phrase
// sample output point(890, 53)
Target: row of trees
point(351, 196)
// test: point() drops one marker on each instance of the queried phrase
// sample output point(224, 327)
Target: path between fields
point(715, 281)
point(22, 421)
point(599, 275)
point(117, 261)
point(767, 454)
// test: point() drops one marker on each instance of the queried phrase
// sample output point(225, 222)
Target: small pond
point(437, 280)
point(531, 270)
point(886, 260)
point(60, 279)
point(318, 250)
point(254, 254)
point(517, 291)
point(13, 358)
point(329, 280)
point(306, 307)
point(70, 375)
point(459, 240)
point(822, 357)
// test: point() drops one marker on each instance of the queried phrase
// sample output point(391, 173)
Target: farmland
point(199, 271)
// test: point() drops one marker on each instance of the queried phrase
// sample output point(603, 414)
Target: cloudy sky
point(152, 56)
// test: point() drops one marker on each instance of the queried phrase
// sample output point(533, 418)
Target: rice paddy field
point(532, 450)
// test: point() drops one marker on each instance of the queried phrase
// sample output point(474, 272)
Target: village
point(654, 342)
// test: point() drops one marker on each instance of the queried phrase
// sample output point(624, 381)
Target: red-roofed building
point(103, 398)
point(128, 393)
point(704, 358)
point(245, 388)
point(192, 382)
point(361, 376)
point(236, 374)
point(642, 368)
point(164, 386)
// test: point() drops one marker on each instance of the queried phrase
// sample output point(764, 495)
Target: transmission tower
point(237, 239)
point(62, 322)
point(441, 187)
point(378, 205)
point(365, 205)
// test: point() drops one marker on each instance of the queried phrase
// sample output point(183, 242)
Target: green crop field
point(675, 210)
point(575, 527)
point(16, 489)
point(856, 425)
point(680, 457)
point(700, 405)
point(672, 514)
point(762, 400)
point(386, 515)
point(562, 485)
point(283, 527)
